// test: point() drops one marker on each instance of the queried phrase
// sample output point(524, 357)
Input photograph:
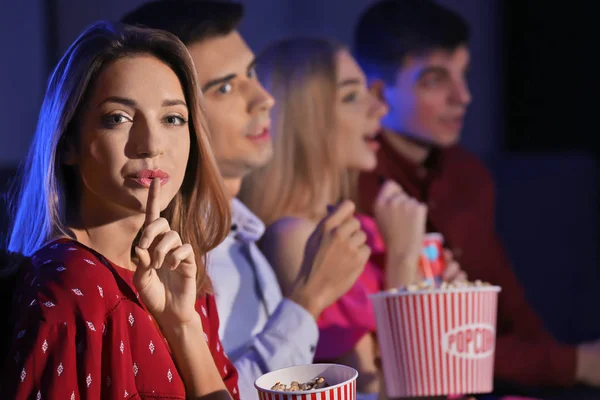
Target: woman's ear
point(68, 153)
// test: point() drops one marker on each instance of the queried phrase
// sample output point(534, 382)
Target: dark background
point(532, 119)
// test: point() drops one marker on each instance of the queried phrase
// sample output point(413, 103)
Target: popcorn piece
point(431, 285)
point(317, 383)
point(320, 383)
point(279, 386)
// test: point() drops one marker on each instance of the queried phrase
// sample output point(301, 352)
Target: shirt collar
point(245, 226)
point(397, 164)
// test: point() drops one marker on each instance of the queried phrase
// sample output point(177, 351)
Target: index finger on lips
point(153, 205)
point(152, 230)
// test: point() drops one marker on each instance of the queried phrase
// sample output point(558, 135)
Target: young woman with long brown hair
point(119, 202)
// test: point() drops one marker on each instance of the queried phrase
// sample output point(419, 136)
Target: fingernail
point(143, 243)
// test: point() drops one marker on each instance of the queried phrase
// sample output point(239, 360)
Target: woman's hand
point(401, 221)
point(166, 272)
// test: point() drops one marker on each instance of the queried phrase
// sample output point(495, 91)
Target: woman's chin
point(366, 163)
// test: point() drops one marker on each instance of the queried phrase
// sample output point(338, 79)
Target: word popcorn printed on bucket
point(317, 383)
point(437, 338)
point(470, 341)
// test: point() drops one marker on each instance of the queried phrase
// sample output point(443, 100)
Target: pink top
point(82, 332)
point(345, 322)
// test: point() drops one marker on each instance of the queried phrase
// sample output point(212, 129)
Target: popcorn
point(317, 383)
point(429, 284)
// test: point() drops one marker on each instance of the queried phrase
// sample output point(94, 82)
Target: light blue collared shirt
point(260, 330)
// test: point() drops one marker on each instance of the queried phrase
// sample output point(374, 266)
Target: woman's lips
point(145, 177)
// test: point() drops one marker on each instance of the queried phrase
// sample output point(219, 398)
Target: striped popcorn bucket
point(437, 342)
point(341, 381)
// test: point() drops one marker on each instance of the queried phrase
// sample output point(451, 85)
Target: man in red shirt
point(415, 55)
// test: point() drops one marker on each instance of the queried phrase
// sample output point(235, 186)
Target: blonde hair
point(301, 75)
point(199, 211)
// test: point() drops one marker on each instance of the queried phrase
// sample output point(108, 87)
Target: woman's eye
point(115, 119)
point(350, 97)
point(175, 120)
point(226, 88)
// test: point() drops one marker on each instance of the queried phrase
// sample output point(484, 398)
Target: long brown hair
point(301, 74)
point(199, 211)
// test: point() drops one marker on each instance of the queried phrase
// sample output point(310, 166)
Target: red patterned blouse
point(82, 333)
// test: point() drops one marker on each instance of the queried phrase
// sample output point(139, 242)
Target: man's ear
point(377, 88)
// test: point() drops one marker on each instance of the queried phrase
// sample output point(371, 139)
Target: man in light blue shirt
point(261, 331)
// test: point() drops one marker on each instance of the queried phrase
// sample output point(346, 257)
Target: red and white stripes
point(437, 343)
point(341, 380)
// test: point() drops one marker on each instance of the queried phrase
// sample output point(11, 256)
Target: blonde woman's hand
point(166, 272)
point(335, 255)
point(401, 221)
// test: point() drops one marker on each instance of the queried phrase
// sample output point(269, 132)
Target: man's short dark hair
point(190, 20)
point(390, 30)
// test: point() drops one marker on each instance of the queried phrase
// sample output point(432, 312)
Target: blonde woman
point(119, 203)
point(324, 126)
